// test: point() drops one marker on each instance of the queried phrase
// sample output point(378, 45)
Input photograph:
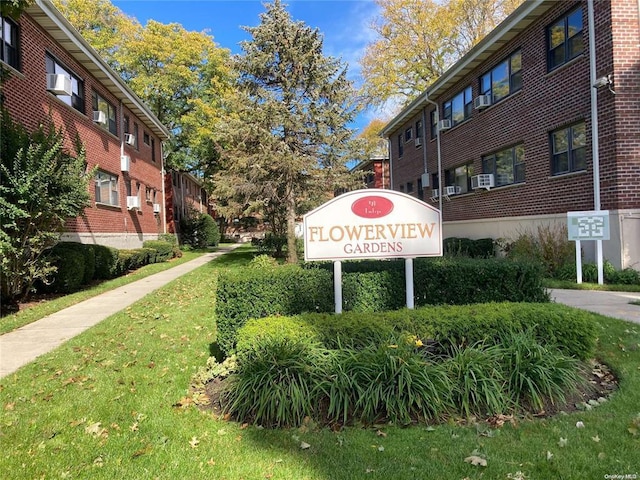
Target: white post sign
point(373, 223)
point(589, 225)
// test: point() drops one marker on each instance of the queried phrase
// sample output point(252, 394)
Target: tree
point(287, 143)
point(419, 39)
point(181, 75)
point(42, 186)
point(13, 8)
point(373, 144)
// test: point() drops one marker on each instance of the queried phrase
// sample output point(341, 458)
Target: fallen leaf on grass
point(549, 455)
point(476, 461)
point(194, 442)
point(380, 433)
point(562, 442)
point(304, 445)
point(596, 438)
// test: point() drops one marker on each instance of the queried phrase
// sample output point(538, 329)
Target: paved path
point(611, 304)
point(25, 344)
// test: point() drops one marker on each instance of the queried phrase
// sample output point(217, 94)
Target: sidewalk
point(25, 344)
point(611, 304)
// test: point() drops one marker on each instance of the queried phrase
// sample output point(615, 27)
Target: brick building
point(53, 74)
point(376, 168)
point(184, 192)
point(516, 123)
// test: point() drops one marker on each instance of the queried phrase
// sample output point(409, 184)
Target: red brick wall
point(29, 102)
point(547, 101)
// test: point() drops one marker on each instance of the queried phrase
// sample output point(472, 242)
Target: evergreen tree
point(287, 144)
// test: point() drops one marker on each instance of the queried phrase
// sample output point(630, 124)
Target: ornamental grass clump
point(536, 373)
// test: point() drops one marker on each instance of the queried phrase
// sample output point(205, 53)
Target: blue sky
point(343, 23)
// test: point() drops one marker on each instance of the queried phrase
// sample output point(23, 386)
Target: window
point(504, 79)
point(153, 150)
point(100, 104)
point(564, 39)
point(135, 135)
point(400, 146)
point(459, 108)
point(125, 123)
point(407, 134)
point(568, 149)
point(434, 124)
point(145, 138)
point(402, 188)
point(107, 188)
point(419, 129)
point(506, 165)
point(409, 187)
point(420, 189)
point(459, 177)
point(76, 99)
point(148, 194)
point(9, 51)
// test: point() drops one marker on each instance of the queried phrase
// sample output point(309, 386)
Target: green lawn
point(570, 285)
point(113, 403)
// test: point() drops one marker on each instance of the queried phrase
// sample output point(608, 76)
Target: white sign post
point(590, 225)
point(372, 223)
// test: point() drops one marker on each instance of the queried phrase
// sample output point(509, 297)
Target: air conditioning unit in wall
point(484, 180)
point(133, 202)
point(156, 208)
point(444, 125)
point(482, 101)
point(435, 193)
point(99, 117)
point(125, 163)
point(129, 139)
point(451, 190)
point(425, 180)
point(418, 141)
point(59, 84)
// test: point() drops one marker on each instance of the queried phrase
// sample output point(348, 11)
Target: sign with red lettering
point(372, 223)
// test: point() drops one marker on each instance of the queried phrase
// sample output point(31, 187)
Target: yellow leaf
point(476, 461)
point(194, 442)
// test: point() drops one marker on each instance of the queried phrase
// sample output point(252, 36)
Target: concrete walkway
point(611, 304)
point(25, 344)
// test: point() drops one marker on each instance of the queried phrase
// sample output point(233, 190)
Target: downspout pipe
point(594, 130)
point(427, 99)
point(162, 178)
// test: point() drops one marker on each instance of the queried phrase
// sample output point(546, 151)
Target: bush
point(342, 369)
point(164, 250)
point(466, 247)
point(69, 260)
point(272, 245)
point(106, 262)
point(199, 230)
point(628, 276)
point(290, 290)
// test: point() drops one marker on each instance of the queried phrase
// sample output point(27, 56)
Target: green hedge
point(164, 250)
point(480, 248)
point(69, 258)
point(444, 327)
point(289, 290)
point(106, 262)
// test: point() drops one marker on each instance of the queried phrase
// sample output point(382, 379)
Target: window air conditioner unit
point(482, 101)
point(452, 190)
point(156, 208)
point(444, 125)
point(484, 180)
point(435, 193)
point(425, 180)
point(133, 202)
point(59, 84)
point(125, 163)
point(418, 141)
point(129, 139)
point(99, 117)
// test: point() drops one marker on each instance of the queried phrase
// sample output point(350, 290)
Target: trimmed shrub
point(262, 292)
point(466, 247)
point(106, 262)
point(69, 260)
point(628, 276)
point(199, 230)
point(164, 250)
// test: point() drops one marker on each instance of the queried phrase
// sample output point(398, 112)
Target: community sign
point(372, 223)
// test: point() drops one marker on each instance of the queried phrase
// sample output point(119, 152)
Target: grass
point(571, 285)
point(635, 302)
point(113, 403)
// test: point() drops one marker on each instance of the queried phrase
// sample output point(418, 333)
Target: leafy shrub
point(69, 260)
point(263, 261)
point(628, 276)
point(466, 247)
point(272, 244)
point(199, 230)
point(549, 245)
point(164, 250)
point(106, 262)
point(171, 238)
point(290, 290)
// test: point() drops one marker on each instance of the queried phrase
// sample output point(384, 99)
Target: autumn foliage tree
point(287, 144)
point(418, 39)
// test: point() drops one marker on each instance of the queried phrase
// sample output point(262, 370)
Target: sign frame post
point(337, 285)
point(408, 275)
point(589, 225)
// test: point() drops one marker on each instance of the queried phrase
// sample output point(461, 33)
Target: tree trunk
point(292, 254)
